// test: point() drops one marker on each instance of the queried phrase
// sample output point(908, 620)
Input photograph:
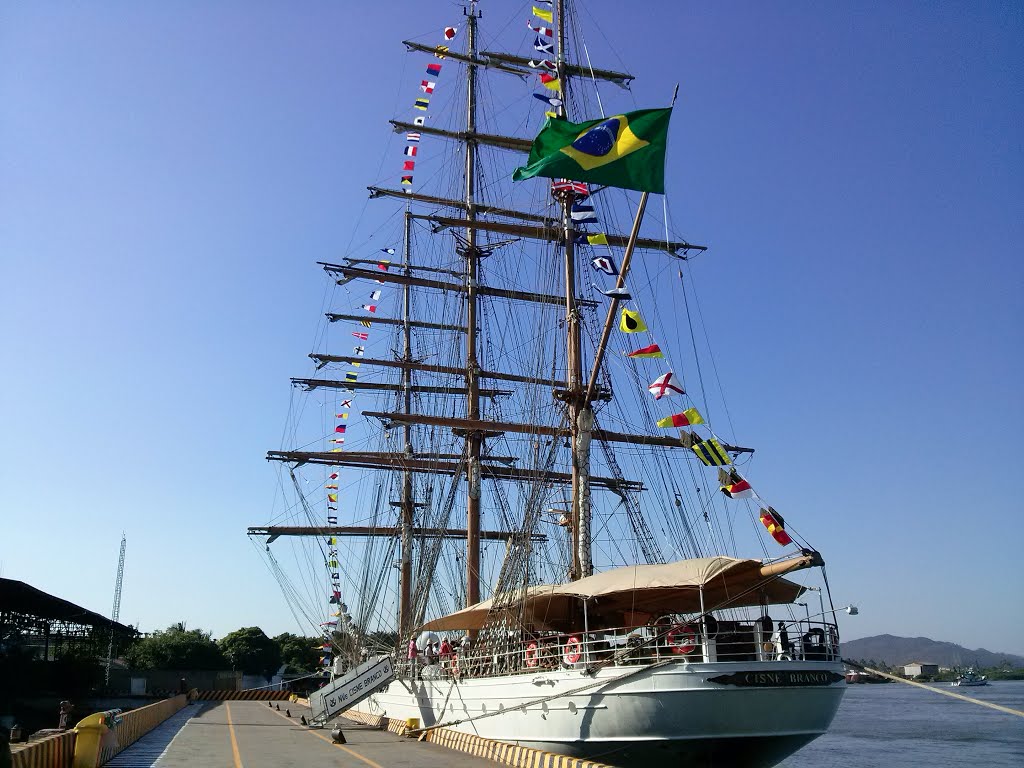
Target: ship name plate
point(778, 679)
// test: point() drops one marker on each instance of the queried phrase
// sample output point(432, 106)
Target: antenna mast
point(116, 612)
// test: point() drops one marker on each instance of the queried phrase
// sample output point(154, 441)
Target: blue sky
point(169, 176)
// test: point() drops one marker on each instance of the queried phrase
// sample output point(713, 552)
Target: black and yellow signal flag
point(712, 453)
point(631, 322)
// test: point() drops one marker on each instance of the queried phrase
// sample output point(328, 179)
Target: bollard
point(93, 734)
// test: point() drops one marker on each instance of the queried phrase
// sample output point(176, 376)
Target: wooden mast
point(407, 503)
point(579, 391)
point(581, 415)
point(474, 440)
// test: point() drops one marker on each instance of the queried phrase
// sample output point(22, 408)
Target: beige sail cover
point(628, 596)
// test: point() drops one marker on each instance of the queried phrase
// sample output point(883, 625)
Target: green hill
point(894, 651)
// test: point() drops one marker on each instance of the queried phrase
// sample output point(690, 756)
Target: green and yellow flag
point(626, 151)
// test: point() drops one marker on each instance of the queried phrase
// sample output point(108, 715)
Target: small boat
point(970, 678)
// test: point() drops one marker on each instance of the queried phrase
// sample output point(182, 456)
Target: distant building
point(918, 668)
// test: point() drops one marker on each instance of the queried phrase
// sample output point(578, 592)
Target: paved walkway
point(151, 747)
point(249, 734)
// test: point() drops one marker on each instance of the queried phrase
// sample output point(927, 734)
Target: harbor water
point(900, 726)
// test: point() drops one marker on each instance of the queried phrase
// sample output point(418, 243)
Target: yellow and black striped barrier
point(251, 695)
point(498, 751)
point(52, 752)
point(502, 752)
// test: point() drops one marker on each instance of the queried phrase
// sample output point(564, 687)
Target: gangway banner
point(348, 690)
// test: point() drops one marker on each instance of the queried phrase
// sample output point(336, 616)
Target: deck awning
point(619, 596)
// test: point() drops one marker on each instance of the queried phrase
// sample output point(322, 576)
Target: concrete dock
point(249, 734)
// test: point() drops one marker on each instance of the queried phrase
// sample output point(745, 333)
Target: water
point(900, 726)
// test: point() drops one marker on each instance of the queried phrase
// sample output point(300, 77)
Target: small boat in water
point(970, 678)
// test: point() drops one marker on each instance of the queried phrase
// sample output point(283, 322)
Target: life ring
point(531, 655)
point(573, 650)
point(682, 639)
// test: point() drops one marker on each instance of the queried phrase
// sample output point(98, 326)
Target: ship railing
point(684, 641)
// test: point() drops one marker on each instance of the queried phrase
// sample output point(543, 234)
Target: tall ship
point(511, 468)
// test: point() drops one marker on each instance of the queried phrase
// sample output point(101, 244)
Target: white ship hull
point(672, 714)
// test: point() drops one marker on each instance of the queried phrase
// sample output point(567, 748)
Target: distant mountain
point(895, 651)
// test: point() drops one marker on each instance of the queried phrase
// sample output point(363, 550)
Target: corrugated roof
point(19, 597)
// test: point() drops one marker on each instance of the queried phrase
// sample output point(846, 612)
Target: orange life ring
point(682, 639)
point(573, 650)
point(531, 654)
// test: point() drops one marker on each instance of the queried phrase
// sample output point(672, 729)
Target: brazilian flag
point(626, 151)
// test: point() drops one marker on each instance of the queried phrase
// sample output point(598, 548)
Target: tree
point(250, 650)
point(176, 648)
point(302, 654)
point(382, 642)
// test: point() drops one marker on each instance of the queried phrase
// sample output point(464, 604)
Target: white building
point(918, 668)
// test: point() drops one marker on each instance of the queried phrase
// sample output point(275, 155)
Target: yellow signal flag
point(547, 15)
point(631, 322)
point(332, 497)
point(598, 239)
point(687, 418)
point(553, 85)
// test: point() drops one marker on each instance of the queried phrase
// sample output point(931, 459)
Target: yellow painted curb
point(52, 752)
point(498, 751)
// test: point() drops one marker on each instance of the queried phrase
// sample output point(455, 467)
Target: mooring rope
point(944, 692)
